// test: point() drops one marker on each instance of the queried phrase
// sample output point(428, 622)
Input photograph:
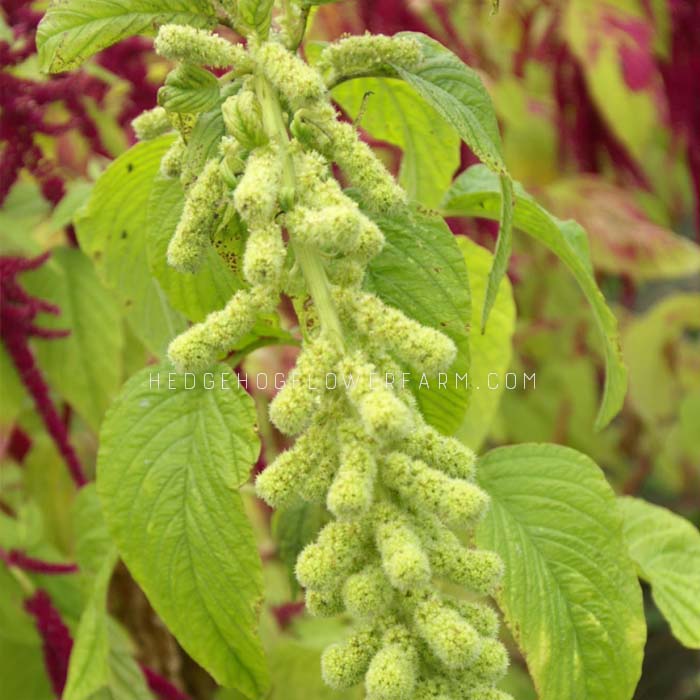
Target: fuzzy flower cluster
point(395, 486)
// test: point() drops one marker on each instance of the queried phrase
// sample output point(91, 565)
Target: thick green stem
point(316, 280)
point(308, 258)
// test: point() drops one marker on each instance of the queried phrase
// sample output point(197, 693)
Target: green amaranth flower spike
point(394, 485)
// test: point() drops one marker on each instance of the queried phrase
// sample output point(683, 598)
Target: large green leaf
point(666, 549)
point(396, 113)
point(490, 352)
point(476, 193)
point(570, 593)
point(112, 231)
point(85, 367)
point(456, 92)
point(195, 295)
point(169, 467)
point(421, 271)
point(73, 30)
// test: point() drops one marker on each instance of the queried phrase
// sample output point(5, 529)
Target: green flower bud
point(181, 43)
point(353, 487)
point(199, 346)
point(171, 162)
point(333, 228)
point(441, 452)
point(452, 500)
point(368, 594)
point(344, 665)
point(151, 124)
point(362, 55)
point(339, 549)
point(326, 604)
point(391, 674)
point(277, 484)
point(450, 637)
point(435, 688)
point(310, 168)
point(382, 413)
point(403, 559)
point(370, 241)
point(255, 198)
point(376, 186)
point(296, 81)
point(481, 616)
point(264, 256)
point(345, 272)
point(423, 348)
point(492, 663)
point(475, 569)
point(199, 219)
point(486, 692)
point(243, 119)
point(294, 406)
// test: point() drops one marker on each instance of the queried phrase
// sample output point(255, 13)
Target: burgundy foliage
point(25, 102)
point(18, 311)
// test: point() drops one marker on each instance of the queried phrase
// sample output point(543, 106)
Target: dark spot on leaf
point(128, 302)
point(124, 234)
point(97, 255)
point(129, 167)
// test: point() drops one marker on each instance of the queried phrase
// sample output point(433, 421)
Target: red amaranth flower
point(20, 560)
point(56, 641)
point(25, 102)
point(57, 645)
point(17, 313)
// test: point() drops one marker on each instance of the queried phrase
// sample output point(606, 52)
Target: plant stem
point(317, 282)
point(309, 260)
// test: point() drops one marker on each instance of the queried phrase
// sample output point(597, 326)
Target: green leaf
point(111, 230)
point(421, 271)
point(570, 593)
point(624, 241)
point(395, 113)
point(257, 14)
point(293, 528)
point(49, 484)
point(655, 388)
point(189, 88)
point(504, 246)
point(456, 92)
point(170, 498)
point(194, 295)
point(490, 351)
point(477, 193)
point(93, 543)
point(666, 549)
point(88, 669)
point(85, 367)
point(73, 30)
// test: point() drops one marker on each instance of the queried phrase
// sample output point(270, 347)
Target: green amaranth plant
point(393, 483)
point(230, 203)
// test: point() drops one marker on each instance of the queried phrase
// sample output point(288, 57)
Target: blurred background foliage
point(599, 106)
